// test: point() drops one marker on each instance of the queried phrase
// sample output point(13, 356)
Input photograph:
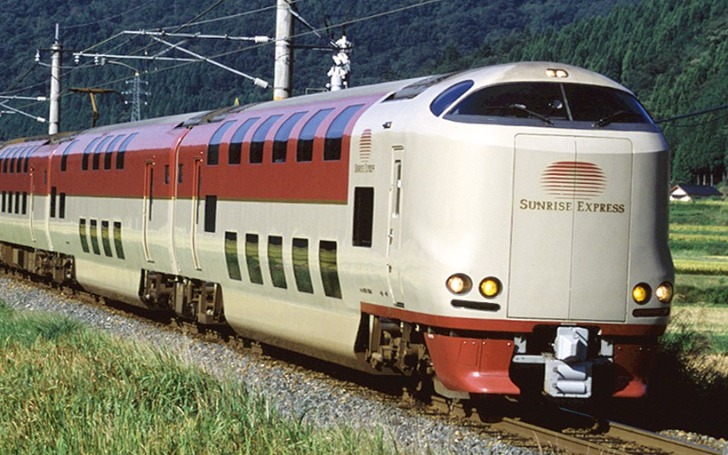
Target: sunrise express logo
point(572, 185)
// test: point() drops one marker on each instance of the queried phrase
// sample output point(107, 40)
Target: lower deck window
point(94, 237)
point(252, 258)
point(329, 269)
point(83, 235)
point(231, 256)
point(106, 238)
point(117, 240)
point(301, 268)
point(275, 261)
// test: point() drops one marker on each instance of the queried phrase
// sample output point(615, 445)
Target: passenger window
point(105, 238)
point(280, 142)
point(275, 261)
point(335, 133)
point(110, 151)
point(12, 156)
point(64, 157)
point(329, 269)
point(258, 142)
point(25, 203)
point(231, 256)
point(363, 216)
point(213, 148)
point(87, 153)
point(122, 150)
point(82, 234)
point(301, 268)
point(95, 238)
point(236, 143)
point(117, 240)
point(304, 148)
point(252, 258)
point(97, 153)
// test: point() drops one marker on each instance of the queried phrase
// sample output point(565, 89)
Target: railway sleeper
point(192, 300)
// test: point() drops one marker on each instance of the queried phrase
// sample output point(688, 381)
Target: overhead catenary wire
point(195, 21)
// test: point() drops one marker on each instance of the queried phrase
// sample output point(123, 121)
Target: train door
point(570, 228)
point(147, 213)
point(394, 232)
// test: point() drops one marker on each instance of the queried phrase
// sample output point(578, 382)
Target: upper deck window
point(87, 153)
point(304, 148)
point(551, 104)
point(256, 146)
point(110, 151)
point(213, 148)
point(96, 160)
point(236, 143)
point(335, 133)
point(64, 156)
point(280, 142)
point(122, 150)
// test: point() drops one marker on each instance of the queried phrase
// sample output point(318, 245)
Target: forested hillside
point(673, 54)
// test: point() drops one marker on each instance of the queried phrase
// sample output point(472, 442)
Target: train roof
point(407, 88)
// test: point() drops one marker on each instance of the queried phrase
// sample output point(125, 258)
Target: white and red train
point(502, 229)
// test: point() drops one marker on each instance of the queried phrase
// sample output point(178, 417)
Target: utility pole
point(54, 115)
point(283, 54)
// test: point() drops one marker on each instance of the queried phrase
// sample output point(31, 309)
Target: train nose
point(571, 196)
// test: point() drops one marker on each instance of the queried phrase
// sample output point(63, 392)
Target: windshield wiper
point(523, 108)
point(604, 121)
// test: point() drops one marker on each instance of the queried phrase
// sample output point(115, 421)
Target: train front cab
point(588, 245)
point(572, 241)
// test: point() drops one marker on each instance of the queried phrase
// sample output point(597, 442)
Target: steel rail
point(658, 441)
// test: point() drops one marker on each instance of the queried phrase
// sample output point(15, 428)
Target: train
point(499, 231)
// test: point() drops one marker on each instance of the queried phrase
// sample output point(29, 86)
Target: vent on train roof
point(412, 90)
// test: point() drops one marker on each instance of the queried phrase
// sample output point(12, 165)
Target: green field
point(67, 389)
point(699, 244)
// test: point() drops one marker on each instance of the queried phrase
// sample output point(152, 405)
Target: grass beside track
point(65, 388)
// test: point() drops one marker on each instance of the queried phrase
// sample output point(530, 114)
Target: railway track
point(557, 431)
point(569, 432)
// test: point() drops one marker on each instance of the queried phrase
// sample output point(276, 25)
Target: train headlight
point(557, 72)
point(641, 293)
point(490, 287)
point(459, 283)
point(664, 292)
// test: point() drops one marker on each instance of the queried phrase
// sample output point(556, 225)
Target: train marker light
point(556, 72)
point(490, 287)
point(459, 284)
point(664, 292)
point(641, 293)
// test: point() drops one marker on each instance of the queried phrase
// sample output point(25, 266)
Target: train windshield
point(552, 104)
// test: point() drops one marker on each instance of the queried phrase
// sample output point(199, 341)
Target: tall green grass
point(68, 389)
